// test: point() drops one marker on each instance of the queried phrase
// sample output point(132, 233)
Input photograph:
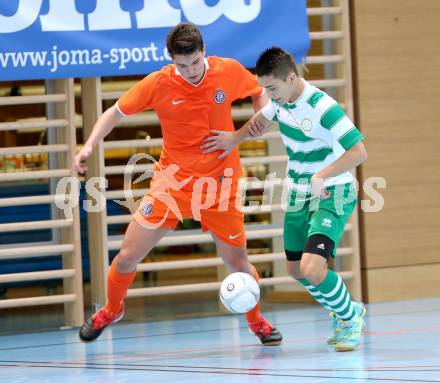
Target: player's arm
point(344, 134)
point(260, 101)
point(352, 158)
point(227, 141)
point(105, 124)
point(139, 97)
point(258, 124)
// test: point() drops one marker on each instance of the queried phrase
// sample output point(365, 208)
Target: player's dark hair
point(276, 62)
point(184, 39)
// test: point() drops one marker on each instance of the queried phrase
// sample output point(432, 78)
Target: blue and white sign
point(41, 39)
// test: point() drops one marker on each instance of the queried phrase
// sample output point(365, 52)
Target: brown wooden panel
point(398, 87)
point(403, 283)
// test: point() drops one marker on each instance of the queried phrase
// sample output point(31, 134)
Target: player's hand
point(220, 140)
point(78, 161)
point(255, 129)
point(318, 188)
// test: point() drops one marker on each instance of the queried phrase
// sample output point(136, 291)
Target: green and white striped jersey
point(316, 132)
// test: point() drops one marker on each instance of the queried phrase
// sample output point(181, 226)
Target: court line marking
point(216, 371)
point(343, 369)
point(205, 331)
point(229, 348)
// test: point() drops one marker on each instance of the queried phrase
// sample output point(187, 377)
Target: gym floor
point(400, 345)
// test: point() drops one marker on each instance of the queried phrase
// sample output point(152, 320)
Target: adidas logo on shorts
point(326, 222)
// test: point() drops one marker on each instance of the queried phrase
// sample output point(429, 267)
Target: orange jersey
point(187, 112)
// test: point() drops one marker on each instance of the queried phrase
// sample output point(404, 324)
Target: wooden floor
point(401, 344)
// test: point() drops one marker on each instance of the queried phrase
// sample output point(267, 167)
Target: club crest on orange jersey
point(220, 96)
point(147, 209)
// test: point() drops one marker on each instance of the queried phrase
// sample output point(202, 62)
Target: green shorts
point(305, 217)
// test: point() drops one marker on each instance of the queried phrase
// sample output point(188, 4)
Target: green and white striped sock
point(315, 293)
point(337, 297)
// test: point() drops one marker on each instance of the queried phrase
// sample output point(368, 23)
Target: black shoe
point(266, 332)
point(96, 324)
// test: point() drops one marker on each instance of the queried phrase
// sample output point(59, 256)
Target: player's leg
point(295, 237)
point(235, 259)
point(293, 269)
point(326, 228)
point(141, 236)
point(233, 256)
point(344, 312)
point(138, 242)
point(225, 221)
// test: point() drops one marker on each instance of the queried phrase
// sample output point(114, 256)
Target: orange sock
point(254, 315)
point(117, 286)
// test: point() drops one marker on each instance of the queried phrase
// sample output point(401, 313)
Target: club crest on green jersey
point(306, 125)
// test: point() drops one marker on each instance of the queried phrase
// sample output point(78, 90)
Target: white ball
point(239, 292)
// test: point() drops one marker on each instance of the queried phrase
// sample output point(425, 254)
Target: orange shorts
point(211, 201)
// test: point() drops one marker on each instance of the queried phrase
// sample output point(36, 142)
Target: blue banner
point(42, 39)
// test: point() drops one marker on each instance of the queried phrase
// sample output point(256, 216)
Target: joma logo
point(108, 14)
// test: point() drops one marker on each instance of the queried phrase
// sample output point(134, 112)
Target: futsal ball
point(239, 292)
